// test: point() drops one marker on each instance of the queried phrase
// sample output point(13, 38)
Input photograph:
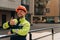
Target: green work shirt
point(23, 31)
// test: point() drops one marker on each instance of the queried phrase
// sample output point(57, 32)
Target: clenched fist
point(13, 21)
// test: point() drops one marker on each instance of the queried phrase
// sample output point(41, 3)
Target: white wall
point(9, 3)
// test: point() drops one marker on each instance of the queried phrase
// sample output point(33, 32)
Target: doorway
point(3, 19)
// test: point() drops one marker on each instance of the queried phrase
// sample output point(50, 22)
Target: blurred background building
point(7, 9)
point(45, 11)
point(38, 10)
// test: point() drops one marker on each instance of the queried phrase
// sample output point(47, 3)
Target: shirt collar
point(22, 19)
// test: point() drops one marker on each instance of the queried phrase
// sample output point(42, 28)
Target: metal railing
point(30, 33)
point(45, 19)
point(52, 31)
point(5, 36)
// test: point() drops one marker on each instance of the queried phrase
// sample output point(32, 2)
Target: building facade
point(37, 9)
point(44, 8)
point(7, 9)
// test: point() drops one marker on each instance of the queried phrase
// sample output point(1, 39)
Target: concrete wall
point(12, 4)
point(31, 7)
point(54, 8)
point(8, 16)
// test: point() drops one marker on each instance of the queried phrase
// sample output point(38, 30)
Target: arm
point(10, 23)
point(5, 25)
point(24, 30)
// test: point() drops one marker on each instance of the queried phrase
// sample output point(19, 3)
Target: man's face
point(21, 13)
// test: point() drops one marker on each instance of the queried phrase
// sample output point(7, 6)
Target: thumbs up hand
point(12, 21)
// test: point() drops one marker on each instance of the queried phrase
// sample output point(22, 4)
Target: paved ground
point(40, 35)
point(43, 35)
point(44, 25)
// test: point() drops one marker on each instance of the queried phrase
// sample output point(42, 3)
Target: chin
point(19, 16)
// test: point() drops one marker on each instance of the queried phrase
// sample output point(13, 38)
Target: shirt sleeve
point(5, 25)
point(24, 30)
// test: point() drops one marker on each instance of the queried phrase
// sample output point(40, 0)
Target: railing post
point(52, 34)
point(30, 36)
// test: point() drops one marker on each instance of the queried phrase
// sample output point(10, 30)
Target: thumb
point(11, 18)
point(9, 32)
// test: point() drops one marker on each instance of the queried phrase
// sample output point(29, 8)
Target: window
point(36, 20)
point(50, 20)
point(28, 17)
point(25, 3)
point(3, 19)
point(13, 14)
point(39, 7)
point(47, 10)
point(47, 1)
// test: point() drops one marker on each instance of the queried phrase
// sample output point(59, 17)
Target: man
point(19, 26)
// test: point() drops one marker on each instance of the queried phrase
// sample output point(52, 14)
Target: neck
point(22, 17)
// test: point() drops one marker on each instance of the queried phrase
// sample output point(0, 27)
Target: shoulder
point(27, 22)
point(15, 20)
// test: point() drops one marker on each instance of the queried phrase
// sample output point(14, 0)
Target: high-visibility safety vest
point(20, 31)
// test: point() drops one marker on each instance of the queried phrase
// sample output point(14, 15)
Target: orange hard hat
point(20, 7)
